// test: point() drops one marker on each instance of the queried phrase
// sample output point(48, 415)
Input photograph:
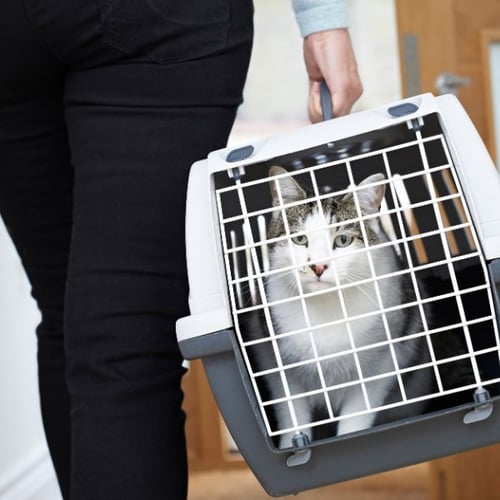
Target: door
point(459, 39)
point(208, 442)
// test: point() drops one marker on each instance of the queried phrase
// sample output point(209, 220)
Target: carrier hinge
point(415, 123)
point(236, 173)
point(301, 454)
point(483, 408)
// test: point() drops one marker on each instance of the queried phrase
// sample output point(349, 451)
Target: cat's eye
point(342, 240)
point(300, 240)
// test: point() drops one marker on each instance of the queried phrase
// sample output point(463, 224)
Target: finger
point(345, 94)
point(314, 102)
point(341, 103)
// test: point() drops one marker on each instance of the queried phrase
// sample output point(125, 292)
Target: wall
point(375, 39)
point(25, 469)
point(277, 85)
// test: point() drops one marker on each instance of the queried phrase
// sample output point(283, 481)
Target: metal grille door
point(417, 278)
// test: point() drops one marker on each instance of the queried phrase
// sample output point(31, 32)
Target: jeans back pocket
point(166, 30)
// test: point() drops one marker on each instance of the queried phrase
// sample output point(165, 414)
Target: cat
point(323, 258)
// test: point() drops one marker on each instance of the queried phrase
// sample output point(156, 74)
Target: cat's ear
point(371, 197)
point(290, 189)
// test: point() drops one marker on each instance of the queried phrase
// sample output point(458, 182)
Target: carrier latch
point(240, 154)
point(483, 409)
point(302, 453)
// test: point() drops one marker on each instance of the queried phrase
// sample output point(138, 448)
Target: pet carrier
point(344, 286)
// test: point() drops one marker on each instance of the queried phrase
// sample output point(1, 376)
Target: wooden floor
point(411, 483)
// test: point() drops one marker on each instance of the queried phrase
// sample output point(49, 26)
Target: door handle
point(449, 83)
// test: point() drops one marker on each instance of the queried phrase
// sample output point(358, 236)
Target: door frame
point(489, 36)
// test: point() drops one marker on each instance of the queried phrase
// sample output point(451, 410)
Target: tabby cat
point(325, 251)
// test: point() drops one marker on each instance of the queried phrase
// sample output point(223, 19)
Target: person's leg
point(135, 129)
point(132, 147)
point(127, 286)
point(35, 203)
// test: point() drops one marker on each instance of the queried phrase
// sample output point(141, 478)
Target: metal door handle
point(449, 83)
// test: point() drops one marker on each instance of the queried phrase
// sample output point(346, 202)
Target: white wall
point(375, 40)
point(25, 469)
point(277, 85)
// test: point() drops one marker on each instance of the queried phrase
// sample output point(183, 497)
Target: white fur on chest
point(325, 321)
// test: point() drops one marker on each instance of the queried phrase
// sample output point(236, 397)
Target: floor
point(411, 483)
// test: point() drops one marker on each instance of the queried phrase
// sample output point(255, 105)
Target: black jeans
point(104, 105)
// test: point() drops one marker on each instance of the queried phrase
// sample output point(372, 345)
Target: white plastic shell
point(209, 304)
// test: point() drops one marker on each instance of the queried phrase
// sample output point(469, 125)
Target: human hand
point(329, 55)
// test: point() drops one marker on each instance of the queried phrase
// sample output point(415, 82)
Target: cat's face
point(326, 256)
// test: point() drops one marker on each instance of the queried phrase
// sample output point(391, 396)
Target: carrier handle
point(326, 101)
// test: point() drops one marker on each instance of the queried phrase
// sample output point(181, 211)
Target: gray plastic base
point(383, 448)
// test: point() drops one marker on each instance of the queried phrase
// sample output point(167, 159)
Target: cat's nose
point(319, 269)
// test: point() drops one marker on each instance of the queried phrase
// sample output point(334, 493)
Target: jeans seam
point(40, 34)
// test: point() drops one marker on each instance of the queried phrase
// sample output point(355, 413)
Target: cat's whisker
point(352, 278)
point(370, 298)
point(291, 285)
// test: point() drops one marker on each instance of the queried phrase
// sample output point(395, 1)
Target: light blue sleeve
point(320, 15)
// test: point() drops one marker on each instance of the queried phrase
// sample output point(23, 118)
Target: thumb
point(314, 102)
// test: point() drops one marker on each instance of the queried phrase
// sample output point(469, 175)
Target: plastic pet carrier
point(344, 286)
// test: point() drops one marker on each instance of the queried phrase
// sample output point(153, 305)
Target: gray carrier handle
point(326, 101)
